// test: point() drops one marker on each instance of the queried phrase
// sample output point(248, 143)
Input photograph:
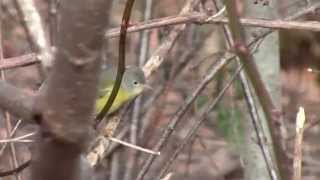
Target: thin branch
point(13, 131)
point(191, 42)
point(260, 134)
point(161, 52)
point(311, 124)
point(18, 139)
point(196, 125)
point(181, 111)
point(53, 21)
point(168, 176)
point(193, 18)
point(20, 61)
point(121, 62)
point(202, 18)
point(185, 106)
point(184, 59)
point(98, 149)
point(12, 98)
point(16, 170)
point(6, 113)
point(268, 106)
point(114, 146)
point(261, 137)
point(297, 158)
point(144, 51)
point(134, 146)
point(35, 31)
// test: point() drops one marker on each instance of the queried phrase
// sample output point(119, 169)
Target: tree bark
point(64, 110)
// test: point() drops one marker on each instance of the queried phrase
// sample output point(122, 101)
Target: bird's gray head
point(134, 79)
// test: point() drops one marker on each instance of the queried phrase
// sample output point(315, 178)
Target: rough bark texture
point(64, 110)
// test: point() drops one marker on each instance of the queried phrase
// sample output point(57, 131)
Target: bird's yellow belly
point(121, 98)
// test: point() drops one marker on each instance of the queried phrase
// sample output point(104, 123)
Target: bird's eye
point(135, 83)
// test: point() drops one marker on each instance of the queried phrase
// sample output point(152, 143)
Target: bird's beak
point(147, 87)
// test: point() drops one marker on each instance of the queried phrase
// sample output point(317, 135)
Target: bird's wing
point(105, 92)
point(107, 77)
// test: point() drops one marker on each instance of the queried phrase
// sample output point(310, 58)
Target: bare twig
point(16, 170)
point(102, 144)
point(196, 125)
point(268, 106)
point(11, 135)
point(134, 146)
point(297, 158)
point(182, 110)
point(157, 57)
point(182, 62)
point(185, 106)
point(114, 146)
point(18, 139)
point(144, 51)
point(20, 61)
point(261, 137)
point(35, 31)
point(196, 17)
point(53, 21)
point(168, 176)
point(307, 127)
point(6, 113)
point(121, 62)
point(260, 134)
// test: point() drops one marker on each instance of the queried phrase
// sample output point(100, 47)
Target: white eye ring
point(135, 83)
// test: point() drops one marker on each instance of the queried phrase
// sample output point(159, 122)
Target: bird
point(132, 85)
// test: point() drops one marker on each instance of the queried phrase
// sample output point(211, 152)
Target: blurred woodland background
point(223, 147)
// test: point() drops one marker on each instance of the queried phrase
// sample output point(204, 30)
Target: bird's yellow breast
point(121, 98)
